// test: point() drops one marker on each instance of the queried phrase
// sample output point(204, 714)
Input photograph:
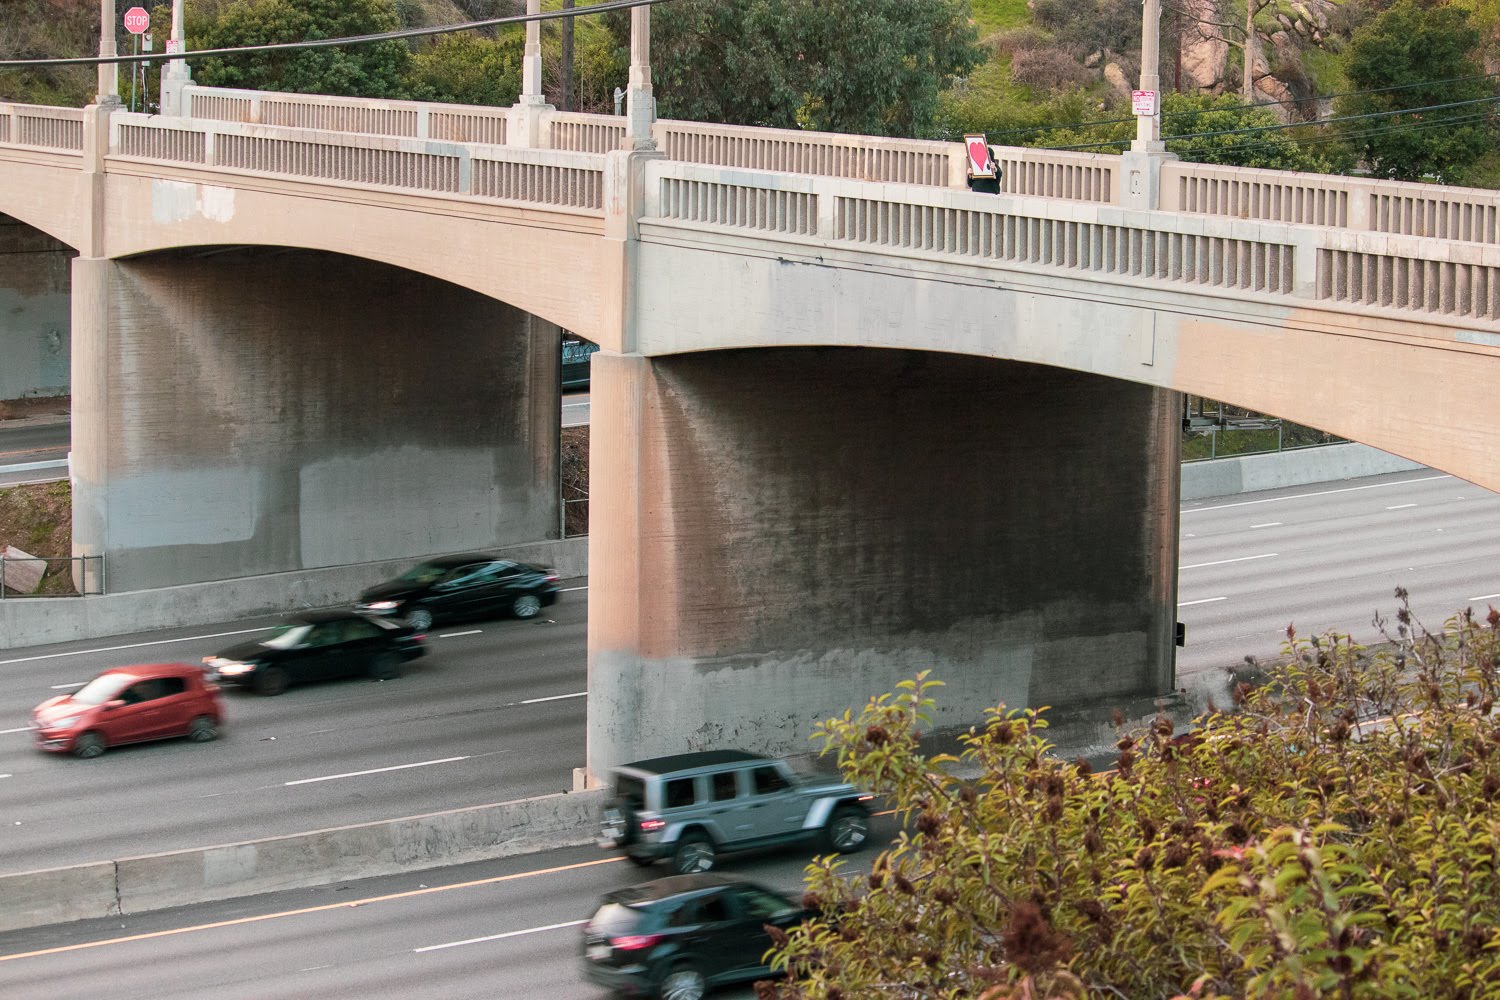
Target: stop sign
point(137, 20)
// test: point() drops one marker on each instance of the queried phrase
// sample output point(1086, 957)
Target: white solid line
point(569, 590)
point(27, 729)
point(1268, 524)
point(454, 635)
point(1401, 506)
point(136, 645)
point(556, 697)
point(374, 770)
point(51, 463)
point(1486, 597)
point(1206, 600)
point(64, 687)
point(7, 775)
point(1225, 562)
point(499, 937)
point(1320, 493)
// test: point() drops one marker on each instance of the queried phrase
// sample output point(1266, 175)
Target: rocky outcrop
point(1205, 53)
point(1115, 77)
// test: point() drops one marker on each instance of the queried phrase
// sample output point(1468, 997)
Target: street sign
point(1143, 102)
point(137, 20)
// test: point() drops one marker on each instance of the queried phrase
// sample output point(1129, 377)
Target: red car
point(130, 705)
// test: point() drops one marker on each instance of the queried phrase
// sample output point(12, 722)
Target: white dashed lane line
point(555, 697)
point(1401, 506)
point(69, 686)
point(135, 645)
point(1305, 496)
point(373, 770)
point(499, 937)
point(1268, 524)
point(455, 635)
point(1226, 562)
point(1206, 600)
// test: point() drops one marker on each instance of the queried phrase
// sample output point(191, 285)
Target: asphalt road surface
point(27, 443)
point(488, 931)
point(497, 710)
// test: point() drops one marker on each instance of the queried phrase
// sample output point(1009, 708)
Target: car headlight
point(232, 668)
point(380, 606)
point(67, 723)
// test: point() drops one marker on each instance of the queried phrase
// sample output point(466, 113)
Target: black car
point(470, 585)
point(316, 646)
point(679, 937)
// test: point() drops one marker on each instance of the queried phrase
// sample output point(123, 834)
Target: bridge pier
point(794, 530)
point(241, 412)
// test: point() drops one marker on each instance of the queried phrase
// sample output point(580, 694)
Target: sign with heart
point(980, 162)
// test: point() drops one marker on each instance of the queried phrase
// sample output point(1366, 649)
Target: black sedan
point(463, 586)
point(317, 646)
point(680, 937)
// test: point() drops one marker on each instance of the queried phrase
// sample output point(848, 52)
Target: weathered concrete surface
point(227, 871)
point(1251, 473)
point(243, 412)
point(20, 571)
point(34, 312)
point(796, 530)
point(62, 619)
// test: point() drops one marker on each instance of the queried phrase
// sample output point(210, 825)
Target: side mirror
point(110, 706)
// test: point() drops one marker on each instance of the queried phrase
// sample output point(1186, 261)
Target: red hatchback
point(130, 705)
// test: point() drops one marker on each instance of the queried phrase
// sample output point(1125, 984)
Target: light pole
point(531, 63)
point(109, 81)
point(1148, 127)
point(177, 75)
point(640, 105)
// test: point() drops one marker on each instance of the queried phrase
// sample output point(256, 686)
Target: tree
point(371, 70)
point(1419, 49)
point(38, 29)
point(469, 69)
point(1333, 837)
point(869, 66)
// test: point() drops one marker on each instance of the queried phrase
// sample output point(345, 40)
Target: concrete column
point(640, 109)
point(531, 62)
point(177, 75)
point(109, 79)
point(254, 412)
point(787, 532)
point(528, 118)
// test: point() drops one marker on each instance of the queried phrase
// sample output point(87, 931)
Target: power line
point(324, 43)
point(1366, 134)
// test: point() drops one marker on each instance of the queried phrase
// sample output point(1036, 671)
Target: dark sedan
point(680, 937)
point(452, 588)
point(317, 646)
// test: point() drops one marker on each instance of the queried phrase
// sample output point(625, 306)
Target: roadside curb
point(298, 861)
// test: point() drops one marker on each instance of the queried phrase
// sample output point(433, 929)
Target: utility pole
point(1148, 127)
point(109, 73)
point(640, 105)
point(177, 75)
point(567, 58)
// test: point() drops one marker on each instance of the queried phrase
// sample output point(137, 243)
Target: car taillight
point(652, 824)
point(634, 942)
point(553, 578)
point(422, 637)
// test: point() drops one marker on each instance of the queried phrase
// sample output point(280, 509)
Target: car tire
point(203, 729)
point(385, 667)
point(420, 619)
point(684, 983)
point(640, 861)
point(89, 745)
point(269, 681)
point(695, 853)
point(526, 606)
point(848, 830)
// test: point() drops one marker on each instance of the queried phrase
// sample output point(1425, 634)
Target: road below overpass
point(497, 710)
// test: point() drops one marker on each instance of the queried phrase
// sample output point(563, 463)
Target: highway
point(497, 710)
point(27, 443)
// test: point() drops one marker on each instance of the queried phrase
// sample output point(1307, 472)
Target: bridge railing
point(557, 179)
point(1334, 268)
point(363, 116)
point(42, 127)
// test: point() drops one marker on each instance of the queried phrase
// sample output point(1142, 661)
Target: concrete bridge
point(850, 420)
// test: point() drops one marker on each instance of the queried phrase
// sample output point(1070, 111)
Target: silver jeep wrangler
point(693, 806)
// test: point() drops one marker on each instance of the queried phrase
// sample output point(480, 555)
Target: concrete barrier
point(300, 860)
point(1222, 477)
point(33, 621)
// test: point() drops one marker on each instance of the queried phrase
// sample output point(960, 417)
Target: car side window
point(168, 686)
point(326, 634)
point(681, 792)
point(360, 630)
point(759, 905)
point(140, 691)
point(713, 910)
point(768, 781)
point(468, 576)
point(726, 785)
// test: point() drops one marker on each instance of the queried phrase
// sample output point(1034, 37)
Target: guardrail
point(42, 127)
point(19, 580)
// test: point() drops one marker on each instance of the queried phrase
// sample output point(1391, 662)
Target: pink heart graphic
point(979, 153)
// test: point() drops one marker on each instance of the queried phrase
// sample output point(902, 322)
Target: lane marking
point(556, 697)
point(7, 775)
point(43, 482)
point(569, 590)
point(24, 729)
point(136, 645)
point(323, 908)
point(1268, 524)
point(1320, 493)
point(1206, 600)
point(1401, 506)
point(66, 687)
point(1226, 562)
point(454, 635)
point(500, 937)
point(373, 770)
point(1486, 597)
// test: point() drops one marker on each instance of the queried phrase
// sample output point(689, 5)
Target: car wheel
point(90, 744)
point(695, 853)
point(420, 619)
point(641, 861)
point(270, 681)
point(848, 830)
point(385, 667)
point(526, 606)
point(684, 983)
point(202, 729)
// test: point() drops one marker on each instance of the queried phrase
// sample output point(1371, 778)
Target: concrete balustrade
point(42, 127)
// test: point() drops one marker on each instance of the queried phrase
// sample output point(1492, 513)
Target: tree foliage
point(1418, 47)
point(39, 29)
point(1336, 836)
point(867, 66)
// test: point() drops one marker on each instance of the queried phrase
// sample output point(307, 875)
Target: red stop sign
point(137, 20)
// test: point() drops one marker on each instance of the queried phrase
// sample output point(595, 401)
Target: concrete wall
point(793, 530)
point(227, 871)
point(1249, 473)
point(35, 345)
point(31, 622)
point(242, 412)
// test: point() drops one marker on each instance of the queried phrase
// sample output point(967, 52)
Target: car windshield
point(105, 687)
point(287, 636)
point(422, 575)
point(614, 919)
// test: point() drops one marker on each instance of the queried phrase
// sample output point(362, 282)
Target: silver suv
point(693, 806)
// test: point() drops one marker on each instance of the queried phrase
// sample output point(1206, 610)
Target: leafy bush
point(1336, 836)
point(1048, 68)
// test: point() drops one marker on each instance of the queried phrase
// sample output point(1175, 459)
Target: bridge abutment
point(794, 530)
point(243, 412)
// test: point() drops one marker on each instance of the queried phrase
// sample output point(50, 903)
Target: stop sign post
point(137, 20)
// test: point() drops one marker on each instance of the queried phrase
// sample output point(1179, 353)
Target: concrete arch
point(48, 199)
